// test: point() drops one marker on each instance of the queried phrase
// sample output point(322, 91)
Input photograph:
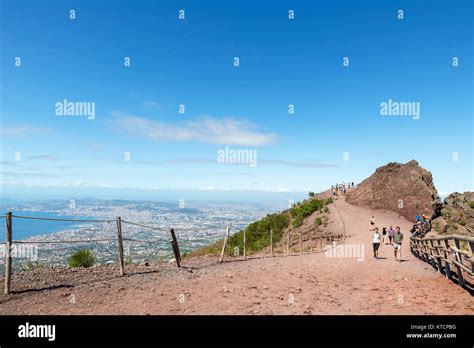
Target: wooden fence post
point(120, 244)
point(439, 262)
point(8, 255)
point(446, 256)
point(225, 243)
point(271, 242)
point(174, 244)
point(245, 244)
point(458, 257)
point(301, 242)
point(288, 243)
point(320, 244)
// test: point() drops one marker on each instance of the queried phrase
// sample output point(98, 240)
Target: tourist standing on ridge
point(397, 243)
point(376, 242)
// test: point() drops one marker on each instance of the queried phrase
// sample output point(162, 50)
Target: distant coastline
point(30, 228)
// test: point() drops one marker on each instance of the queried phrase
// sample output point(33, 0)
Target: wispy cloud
point(91, 145)
point(233, 174)
point(299, 164)
point(16, 164)
point(20, 174)
point(9, 164)
point(214, 161)
point(207, 129)
point(260, 161)
point(43, 158)
point(192, 160)
point(21, 131)
point(152, 104)
point(152, 163)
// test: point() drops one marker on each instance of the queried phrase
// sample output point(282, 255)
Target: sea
point(25, 228)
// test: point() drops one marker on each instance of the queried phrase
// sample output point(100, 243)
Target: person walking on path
point(391, 232)
point(384, 235)
point(372, 224)
point(376, 242)
point(397, 244)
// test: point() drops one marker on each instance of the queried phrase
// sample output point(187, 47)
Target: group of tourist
point(395, 238)
point(341, 188)
point(422, 225)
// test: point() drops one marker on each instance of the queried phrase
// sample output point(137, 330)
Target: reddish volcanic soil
point(300, 284)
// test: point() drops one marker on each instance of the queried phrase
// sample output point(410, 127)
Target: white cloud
point(260, 161)
point(300, 164)
point(18, 131)
point(207, 129)
point(152, 104)
point(43, 157)
point(91, 145)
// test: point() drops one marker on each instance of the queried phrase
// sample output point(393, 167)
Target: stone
point(406, 189)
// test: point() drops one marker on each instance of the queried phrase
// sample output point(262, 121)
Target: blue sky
point(190, 62)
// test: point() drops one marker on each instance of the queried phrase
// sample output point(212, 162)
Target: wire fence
point(109, 244)
point(306, 239)
point(112, 246)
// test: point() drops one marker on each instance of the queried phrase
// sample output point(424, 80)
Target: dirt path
point(302, 284)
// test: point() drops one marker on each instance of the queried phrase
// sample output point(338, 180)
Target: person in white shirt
point(376, 242)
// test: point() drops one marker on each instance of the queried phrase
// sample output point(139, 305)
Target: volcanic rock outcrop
point(407, 189)
point(457, 214)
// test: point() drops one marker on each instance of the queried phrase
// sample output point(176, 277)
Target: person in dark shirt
point(397, 244)
point(384, 235)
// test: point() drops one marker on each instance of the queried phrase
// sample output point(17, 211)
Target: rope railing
point(144, 226)
point(238, 229)
point(59, 219)
point(194, 239)
point(142, 240)
point(162, 229)
point(63, 241)
point(196, 229)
